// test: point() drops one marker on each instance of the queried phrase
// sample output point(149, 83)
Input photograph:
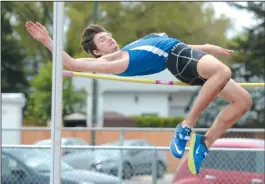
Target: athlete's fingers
point(35, 26)
point(40, 25)
point(31, 25)
point(31, 29)
point(31, 32)
point(40, 28)
point(229, 51)
point(227, 54)
point(28, 24)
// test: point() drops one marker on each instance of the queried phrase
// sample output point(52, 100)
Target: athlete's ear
point(96, 52)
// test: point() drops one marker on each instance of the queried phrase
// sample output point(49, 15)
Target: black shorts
point(182, 63)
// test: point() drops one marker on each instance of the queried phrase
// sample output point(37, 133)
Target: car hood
point(88, 176)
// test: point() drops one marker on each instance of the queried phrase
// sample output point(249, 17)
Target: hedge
point(155, 121)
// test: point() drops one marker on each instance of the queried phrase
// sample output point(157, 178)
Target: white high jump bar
point(57, 86)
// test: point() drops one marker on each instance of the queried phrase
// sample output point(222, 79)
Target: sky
point(239, 17)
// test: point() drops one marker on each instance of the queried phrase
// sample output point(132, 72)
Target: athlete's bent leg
point(217, 75)
point(241, 102)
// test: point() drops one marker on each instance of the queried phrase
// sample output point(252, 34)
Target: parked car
point(227, 166)
point(65, 141)
point(135, 162)
point(30, 166)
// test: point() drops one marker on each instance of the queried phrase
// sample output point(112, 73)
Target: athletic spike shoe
point(179, 141)
point(197, 153)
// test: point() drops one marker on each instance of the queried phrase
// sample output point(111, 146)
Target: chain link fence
point(130, 156)
point(238, 166)
point(130, 165)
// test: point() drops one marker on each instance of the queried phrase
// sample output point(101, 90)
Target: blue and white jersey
point(148, 55)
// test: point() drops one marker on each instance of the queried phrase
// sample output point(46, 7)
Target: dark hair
point(87, 38)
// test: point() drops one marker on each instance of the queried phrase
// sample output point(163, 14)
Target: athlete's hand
point(219, 51)
point(38, 32)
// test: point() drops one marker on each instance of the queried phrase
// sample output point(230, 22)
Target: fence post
point(154, 167)
point(121, 156)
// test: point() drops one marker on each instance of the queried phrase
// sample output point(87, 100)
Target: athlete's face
point(105, 44)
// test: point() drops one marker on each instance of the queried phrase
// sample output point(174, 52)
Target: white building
point(130, 98)
point(12, 116)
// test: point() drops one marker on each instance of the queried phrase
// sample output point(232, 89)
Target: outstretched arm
point(101, 65)
point(212, 49)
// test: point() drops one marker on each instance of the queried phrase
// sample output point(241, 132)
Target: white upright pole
point(57, 85)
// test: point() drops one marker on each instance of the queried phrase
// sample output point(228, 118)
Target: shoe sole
point(191, 162)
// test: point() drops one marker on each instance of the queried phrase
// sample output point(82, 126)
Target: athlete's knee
point(225, 73)
point(244, 102)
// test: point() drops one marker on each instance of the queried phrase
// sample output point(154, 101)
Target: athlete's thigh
point(233, 92)
point(208, 65)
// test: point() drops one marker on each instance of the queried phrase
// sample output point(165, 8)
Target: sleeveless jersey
point(148, 55)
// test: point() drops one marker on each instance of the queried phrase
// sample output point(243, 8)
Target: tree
point(39, 102)
point(36, 54)
point(250, 45)
point(13, 76)
point(128, 21)
point(250, 57)
point(247, 66)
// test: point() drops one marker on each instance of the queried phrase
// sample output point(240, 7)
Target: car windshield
point(39, 160)
point(244, 161)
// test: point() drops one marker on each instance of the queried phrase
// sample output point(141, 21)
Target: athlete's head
point(97, 41)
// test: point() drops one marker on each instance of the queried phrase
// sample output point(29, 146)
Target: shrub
point(155, 121)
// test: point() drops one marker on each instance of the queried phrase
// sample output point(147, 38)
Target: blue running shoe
point(179, 141)
point(197, 153)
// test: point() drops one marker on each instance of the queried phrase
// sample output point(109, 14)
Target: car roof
point(63, 140)
point(239, 143)
point(21, 152)
point(126, 142)
point(48, 141)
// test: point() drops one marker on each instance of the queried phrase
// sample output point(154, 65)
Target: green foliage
point(129, 21)
point(36, 53)
point(23, 55)
point(39, 102)
point(250, 45)
point(13, 75)
point(250, 57)
point(155, 121)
